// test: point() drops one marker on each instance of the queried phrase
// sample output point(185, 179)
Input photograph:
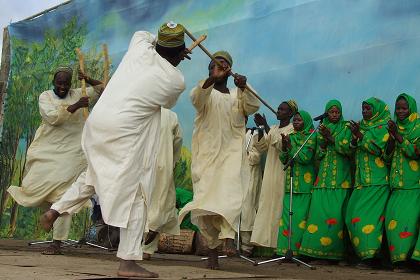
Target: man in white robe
point(251, 177)
point(218, 136)
point(121, 138)
point(55, 157)
point(162, 215)
point(266, 224)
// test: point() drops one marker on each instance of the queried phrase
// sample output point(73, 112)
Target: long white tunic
point(162, 214)
point(121, 135)
point(270, 206)
point(251, 178)
point(218, 136)
point(55, 157)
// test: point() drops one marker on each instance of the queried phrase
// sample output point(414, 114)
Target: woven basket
point(177, 244)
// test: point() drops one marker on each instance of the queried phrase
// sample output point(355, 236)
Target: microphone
point(321, 117)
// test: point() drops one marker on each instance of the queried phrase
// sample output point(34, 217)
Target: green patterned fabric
point(301, 202)
point(303, 179)
point(324, 235)
point(365, 219)
point(403, 211)
point(366, 207)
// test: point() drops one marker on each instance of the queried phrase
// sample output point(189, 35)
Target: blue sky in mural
point(310, 50)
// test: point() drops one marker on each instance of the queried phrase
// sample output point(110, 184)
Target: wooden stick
point(199, 41)
point(82, 68)
point(220, 65)
point(106, 64)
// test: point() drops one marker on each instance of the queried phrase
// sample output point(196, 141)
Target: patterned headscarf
point(380, 114)
point(411, 125)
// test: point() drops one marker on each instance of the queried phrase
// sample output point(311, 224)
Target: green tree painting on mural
point(32, 67)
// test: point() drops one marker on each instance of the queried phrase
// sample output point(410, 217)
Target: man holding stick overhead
point(218, 136)
point(121, 137)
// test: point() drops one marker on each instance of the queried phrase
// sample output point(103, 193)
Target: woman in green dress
point(403, 151)
point(303, 179)
point(366, 207)
point(324, 235)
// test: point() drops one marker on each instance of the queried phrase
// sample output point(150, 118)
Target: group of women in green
point(366, 189)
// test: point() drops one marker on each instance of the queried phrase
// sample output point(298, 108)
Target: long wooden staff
point(106, 64)
point(82, 68)
point(231, 73)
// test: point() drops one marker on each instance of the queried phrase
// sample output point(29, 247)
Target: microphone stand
point(289, 253)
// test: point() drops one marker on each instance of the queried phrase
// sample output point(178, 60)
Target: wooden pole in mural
point(106, 64)
point(82, 68)
point(231, 73)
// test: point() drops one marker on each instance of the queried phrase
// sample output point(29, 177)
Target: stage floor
point(18, 261)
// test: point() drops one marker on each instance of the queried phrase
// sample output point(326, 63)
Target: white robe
point(162, 214)
point(252, 177)
point(218, 136)
point(270, 206)
point(121, 135)
point(55, 157)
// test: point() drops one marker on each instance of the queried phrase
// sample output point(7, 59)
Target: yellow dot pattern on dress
point(307, 177)
point(379, 162)
point(312, 228)
point(413, 165)
point(340, 234)
point(416, 253)
point(325, 241)
point(392, 224)
point(281, 222)
point(380, 238)
point(356, 241)
point(302, 225)
point(367, 229)
point(345, 185)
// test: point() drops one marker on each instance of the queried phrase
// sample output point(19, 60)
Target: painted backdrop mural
point(309, 50)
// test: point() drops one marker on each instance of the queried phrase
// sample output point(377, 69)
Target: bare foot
point(147, 257)
point(48, 218)
point(131, 269)
point(213, 260)
point(230, 249)
point(54, 249)
point(151, 235)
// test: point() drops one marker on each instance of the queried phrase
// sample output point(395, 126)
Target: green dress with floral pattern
point(402, 214)
point(323, 237)
point(303, 179)
point(366, 206)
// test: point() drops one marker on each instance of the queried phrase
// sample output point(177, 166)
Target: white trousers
point(152, 247)
point(130, 247)
point(61, 227)
point(246, 241)
point(215, 229)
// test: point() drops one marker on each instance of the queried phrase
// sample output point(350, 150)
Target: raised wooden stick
point(106, 64)
point(82, 68)
point(196, 43)
point(219, 64)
